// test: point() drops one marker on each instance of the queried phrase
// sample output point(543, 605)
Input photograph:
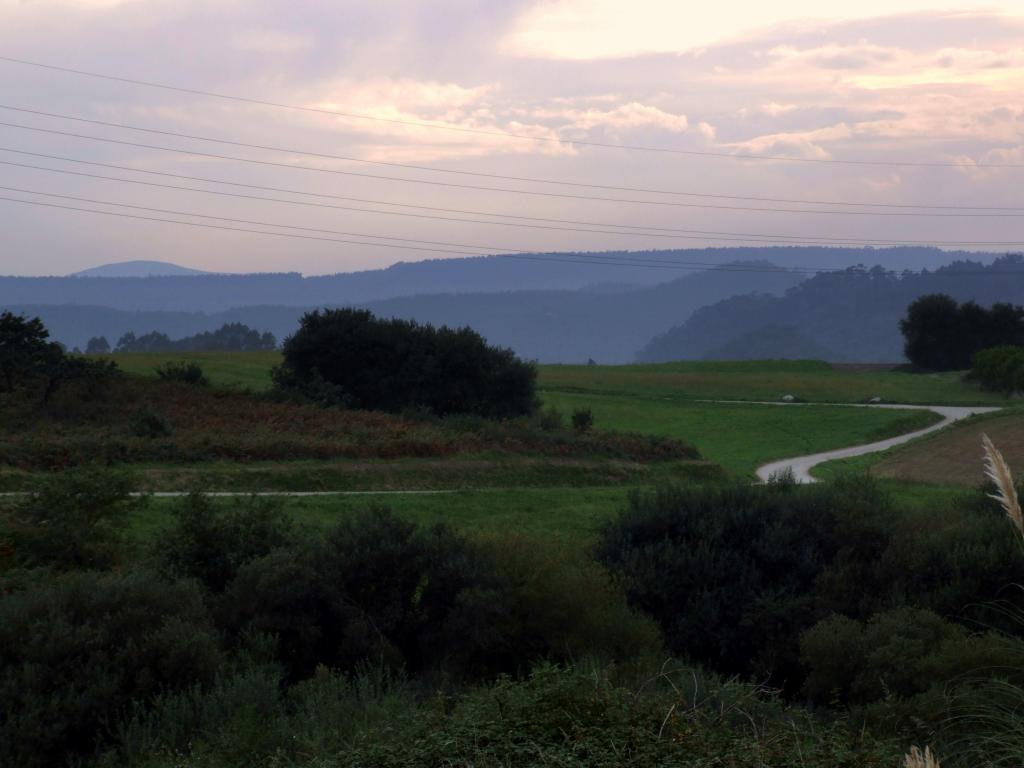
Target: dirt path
point(802, 465)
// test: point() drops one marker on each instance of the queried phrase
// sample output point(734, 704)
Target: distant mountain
point(551, 326)
point(604, 272)
point(138, 269)
point(850, 316)
point(574, 326)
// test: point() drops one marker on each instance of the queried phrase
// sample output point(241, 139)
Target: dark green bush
point(348, 357)
point(375, 588)
point(77, 649)
point(582, 420)
point(1000, 369)
point(550, 419)
point(727, 571)
point(75, 521)
point(149, 423)
point(209, 541)
point(187, 372)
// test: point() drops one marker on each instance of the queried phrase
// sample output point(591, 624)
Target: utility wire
point(501, 177)
point(636, 230)
point(573, 258)
point(663, 203)
point(505, 134)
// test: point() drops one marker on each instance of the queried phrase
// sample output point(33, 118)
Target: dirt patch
point(954, 456)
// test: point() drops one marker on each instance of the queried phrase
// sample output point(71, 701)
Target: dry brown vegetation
point(136, 420)
point(954, 456)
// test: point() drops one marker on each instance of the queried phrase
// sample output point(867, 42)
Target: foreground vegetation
point(235, 633)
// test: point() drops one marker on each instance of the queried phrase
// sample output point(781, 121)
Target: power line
point(502, 177)
point(574, 258)
point(693, 234)
point(504, 134)
point(663, 203)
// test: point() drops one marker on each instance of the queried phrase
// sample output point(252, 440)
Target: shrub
point(375, 588)
point(711, 563)
point(75, 521)
point(210, 541)
point(582, 420)
point(186, 372)
point(1000, 369)
point(149, 423)
point(75, 650)
point(349, 357)
point(550, 419)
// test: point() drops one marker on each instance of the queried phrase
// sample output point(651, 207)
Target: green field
point(809, 380)
point(548, 496)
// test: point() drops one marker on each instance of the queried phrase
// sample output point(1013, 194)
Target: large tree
point(350, 357)
point(941, 335)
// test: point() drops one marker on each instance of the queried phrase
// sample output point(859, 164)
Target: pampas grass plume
point(915, 758)
point(997, 470)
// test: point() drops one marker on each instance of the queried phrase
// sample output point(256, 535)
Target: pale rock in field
point(875, 400)
point(788, 399)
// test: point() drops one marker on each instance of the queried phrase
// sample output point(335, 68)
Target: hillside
point(607, 323)
point(490, 274)
point(849, 316)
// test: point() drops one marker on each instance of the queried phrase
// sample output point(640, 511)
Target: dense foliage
point(230, 337)
point(237, 638)
point(942, 335)
point(34, 367)
point(349, 357)
point(849, 316)
point(1000, 369)
point(737, 576)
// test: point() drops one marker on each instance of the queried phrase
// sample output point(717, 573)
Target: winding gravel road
point(802, 465)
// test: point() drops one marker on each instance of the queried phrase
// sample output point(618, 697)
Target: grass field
point(809, 380)
point(741, 437)
point(952, 457)
point(813, 381)
point(662, 400)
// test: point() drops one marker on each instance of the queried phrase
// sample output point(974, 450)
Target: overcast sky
point(939, 83)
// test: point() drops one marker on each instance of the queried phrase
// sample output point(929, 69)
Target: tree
point(30, 361)
point(26, 352)
point(941, 335)
point(98, 345)
point(349, 357)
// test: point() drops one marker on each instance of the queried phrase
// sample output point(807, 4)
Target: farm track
point(801, 466)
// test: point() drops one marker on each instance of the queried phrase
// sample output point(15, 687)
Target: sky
point(876, 105)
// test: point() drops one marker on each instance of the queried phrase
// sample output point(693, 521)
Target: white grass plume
point(915, 758)
point(997, 470)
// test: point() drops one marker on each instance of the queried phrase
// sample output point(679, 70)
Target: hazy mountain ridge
point(217, 292)
point(138, 269)
point(551, 326)
point(853, 316)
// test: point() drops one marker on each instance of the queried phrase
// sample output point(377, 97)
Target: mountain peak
point(138, 269)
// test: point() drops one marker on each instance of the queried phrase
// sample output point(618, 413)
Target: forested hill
point(849, 316)
point(606, 323)
point(561, 271)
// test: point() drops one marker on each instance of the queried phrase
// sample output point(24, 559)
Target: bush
point(186, 372)
point(349, 357)
point(209, 541)
point(550, 419)
point(712, 563)
point(375, 588)
point(1000, 369)
point(75, 521)
point(149, 423)
point(582, 420)
point(77, 649)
